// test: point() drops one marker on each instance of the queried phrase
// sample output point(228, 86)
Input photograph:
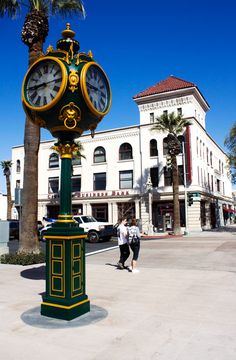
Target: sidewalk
point(181, 306)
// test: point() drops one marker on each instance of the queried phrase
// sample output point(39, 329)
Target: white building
point(111, 180)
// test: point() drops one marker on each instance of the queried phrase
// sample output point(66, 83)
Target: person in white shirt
point(122, 233)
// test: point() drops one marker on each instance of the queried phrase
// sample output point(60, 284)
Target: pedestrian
point(134, 243)
point(122, 233)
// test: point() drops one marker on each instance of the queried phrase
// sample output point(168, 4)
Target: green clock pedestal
point(65, 296)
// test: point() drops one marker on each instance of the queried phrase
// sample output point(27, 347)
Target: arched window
point(125, 152)
point(153, 148)
point(18, 166)
point(165, 146)
point(99, 155)
point(53, 161)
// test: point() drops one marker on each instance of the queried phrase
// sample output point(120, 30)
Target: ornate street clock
point(65, 91)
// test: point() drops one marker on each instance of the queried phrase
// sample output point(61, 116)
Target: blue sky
point(138, 44)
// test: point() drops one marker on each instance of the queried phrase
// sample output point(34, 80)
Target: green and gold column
point(65, 296)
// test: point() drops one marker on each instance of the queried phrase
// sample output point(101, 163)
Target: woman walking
point(134, 243)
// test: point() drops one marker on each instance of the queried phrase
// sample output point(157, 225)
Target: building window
point(99, 181)
point(154, 174)
point(153, 148)
point(76, 161)
point(125, 152)
point(207, 156)
point(17, 184)
point(53, 161)
point(17, 166)
point(76, 183)
point(181, 174)
point(165, 146)
point(179, 112)
point(53, 185)
point(126, 179)
point(211, 158)
point(218, 185)
point(152, 118)
point(212, 183)
point(181, 140)
point(167, 176)
point(99, 155)
point(197, 145)
point(165, 112)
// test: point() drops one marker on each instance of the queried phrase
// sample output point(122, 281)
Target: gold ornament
point(73, 80)
point(71, 115)
point(66, 151)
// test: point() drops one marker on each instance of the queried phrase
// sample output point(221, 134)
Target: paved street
point(181, 306)
point(89, 248)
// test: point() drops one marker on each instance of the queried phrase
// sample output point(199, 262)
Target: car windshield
point(87, 219)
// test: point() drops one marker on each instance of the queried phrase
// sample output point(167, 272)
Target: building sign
point(97, 194)
point(94, 194)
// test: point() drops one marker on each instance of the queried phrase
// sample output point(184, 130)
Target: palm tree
point(6, 165)
point(34, 33)
point(174, 126)
point(230, 143)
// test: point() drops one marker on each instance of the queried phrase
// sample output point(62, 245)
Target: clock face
point(44, 84)
point(96, 89)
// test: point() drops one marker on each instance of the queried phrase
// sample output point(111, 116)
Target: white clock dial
point(97, 88)
point(44, 84)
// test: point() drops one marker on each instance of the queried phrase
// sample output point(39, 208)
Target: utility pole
point(185, 190)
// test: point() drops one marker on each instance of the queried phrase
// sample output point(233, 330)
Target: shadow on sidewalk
point(35, 273)
point(227, 228)
point(33, 318)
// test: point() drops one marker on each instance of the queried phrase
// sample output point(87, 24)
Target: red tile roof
point(169, 84)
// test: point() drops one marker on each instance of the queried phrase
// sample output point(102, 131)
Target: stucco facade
point(111, 179)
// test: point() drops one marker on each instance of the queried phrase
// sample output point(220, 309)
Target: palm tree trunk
point(177, 228)
point(9, 200)
point(29, 231)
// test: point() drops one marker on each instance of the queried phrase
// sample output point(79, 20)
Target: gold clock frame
point(85, 92)
point(60, 92)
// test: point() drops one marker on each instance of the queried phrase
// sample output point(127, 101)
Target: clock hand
point(92, 87)
point(39, 85)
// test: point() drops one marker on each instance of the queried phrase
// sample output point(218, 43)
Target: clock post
point(66, 92)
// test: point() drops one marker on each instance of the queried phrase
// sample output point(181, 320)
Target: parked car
point(96, 230)
point(43, 230)
point(14, 229)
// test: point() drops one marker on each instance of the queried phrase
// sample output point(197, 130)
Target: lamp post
point(149, 191)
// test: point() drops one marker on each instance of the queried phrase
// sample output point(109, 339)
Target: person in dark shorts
point(134, 243)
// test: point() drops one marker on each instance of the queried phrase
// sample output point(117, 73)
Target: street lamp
point(149, 191)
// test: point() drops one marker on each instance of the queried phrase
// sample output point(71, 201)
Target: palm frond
point(171, 123)
point(6, 166)
point(9, 8)
point(68, 7)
